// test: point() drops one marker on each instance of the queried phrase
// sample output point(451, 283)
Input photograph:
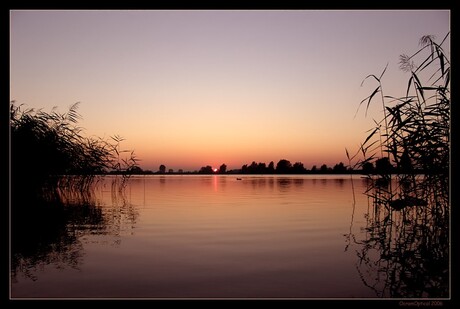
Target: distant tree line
point(286, 167)
point(381, 166)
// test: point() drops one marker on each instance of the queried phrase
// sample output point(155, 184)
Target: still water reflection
point(207, 236)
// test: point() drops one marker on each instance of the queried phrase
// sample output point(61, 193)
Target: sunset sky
point(189, 88)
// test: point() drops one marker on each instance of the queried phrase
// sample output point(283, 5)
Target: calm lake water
point(209, 236)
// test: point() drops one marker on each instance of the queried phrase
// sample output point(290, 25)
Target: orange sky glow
point(193, 88)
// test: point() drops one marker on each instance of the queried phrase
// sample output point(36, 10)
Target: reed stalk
point(416, 129)
point(49, 153)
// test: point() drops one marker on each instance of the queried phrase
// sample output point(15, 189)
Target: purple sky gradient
point(192, 88)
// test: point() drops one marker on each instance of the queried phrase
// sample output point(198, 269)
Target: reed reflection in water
point(52, 229)
point(406, 244)
point(211, 236)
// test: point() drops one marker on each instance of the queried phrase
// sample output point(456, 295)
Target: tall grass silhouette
point(49, 152)
point(405, 247)
point(53, 170)
point(414, 132)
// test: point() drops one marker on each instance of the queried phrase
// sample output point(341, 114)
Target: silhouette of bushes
point(46, 148)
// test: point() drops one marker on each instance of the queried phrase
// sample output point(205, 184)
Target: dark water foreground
point(307, 237)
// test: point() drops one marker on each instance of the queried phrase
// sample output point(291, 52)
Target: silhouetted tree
point(368, 168)
point(323, 168)
point(136, 170)
point(170, 171)
point(206, 170)
point(383, 166)
point(405, 163)
point(253, 167)
point(223, 169)
point(261, 168)
point(339, 168)
point(298, 168)
point(162, 169)
point(314, 169)
point(271, 167)
point(283, 166)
